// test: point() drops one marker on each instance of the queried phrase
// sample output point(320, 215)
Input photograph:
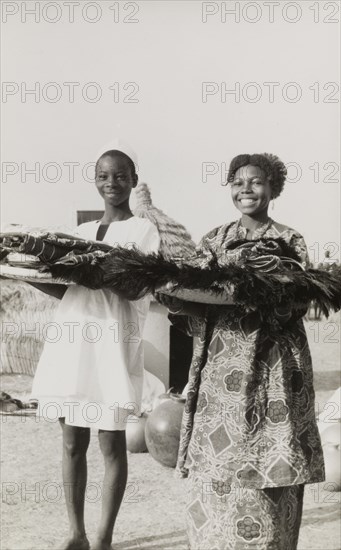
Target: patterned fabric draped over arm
point(300, 247)
point(297, 242)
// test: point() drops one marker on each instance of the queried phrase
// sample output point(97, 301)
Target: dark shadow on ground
point(167, 541)
point(322, 515)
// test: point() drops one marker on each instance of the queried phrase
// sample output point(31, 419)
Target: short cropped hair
point(271, 165)
point(116, 153)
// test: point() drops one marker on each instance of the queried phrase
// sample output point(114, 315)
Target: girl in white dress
point(91, 371)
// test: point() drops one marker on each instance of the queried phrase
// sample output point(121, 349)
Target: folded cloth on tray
point(50, 247)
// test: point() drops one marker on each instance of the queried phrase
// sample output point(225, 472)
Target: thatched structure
point(175, 239)
point(24, 313)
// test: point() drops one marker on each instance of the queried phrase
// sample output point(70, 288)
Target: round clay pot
point(162, 397)
point(135, 433)
point(163, 430)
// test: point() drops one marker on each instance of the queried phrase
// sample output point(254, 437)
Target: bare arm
point(57, 291)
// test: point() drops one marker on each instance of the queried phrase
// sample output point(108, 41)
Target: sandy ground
point(151, 518)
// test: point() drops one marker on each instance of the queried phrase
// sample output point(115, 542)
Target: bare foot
point(76, 544)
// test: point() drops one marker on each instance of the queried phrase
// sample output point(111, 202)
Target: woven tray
point(196, 295)
point(29, 275)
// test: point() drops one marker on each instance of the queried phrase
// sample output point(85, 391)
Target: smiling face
point(251, 190)
point(115, 179)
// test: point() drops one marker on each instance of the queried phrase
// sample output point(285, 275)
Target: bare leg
point(113, 447)
point(75, 445)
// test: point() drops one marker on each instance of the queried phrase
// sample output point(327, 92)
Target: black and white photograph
point(170, 275)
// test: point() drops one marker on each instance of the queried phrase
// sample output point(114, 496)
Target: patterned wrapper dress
point(249, 440)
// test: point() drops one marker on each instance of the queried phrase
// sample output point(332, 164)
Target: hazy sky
point(156, 74)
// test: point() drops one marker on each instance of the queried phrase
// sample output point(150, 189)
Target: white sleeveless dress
point(91, 368)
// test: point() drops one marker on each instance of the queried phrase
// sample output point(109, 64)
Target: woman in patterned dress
point(249, 440)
